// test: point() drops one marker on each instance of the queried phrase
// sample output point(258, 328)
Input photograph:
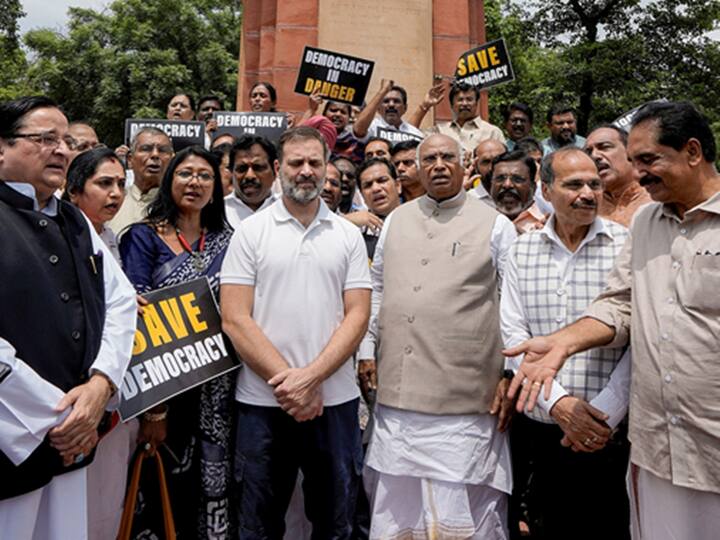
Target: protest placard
point(266, 124)
point(624, 121)
point(485, 66)
point(182, 133)
point(178, 345)
point(395, 136)
point(337, 76)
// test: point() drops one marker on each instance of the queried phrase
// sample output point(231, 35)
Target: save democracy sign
point(178, 345)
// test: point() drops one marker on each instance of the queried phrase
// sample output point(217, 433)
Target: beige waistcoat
point(439, 334)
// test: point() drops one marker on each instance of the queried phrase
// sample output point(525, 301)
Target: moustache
point(650, 179)
point(584, 205)
point(250, 182)
point(512, 192)
point(390, 110)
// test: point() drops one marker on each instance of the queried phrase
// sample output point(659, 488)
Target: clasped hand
point(298, 393)
point(78, 432)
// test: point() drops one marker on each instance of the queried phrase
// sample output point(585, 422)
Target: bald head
point(485, 152)
point(440, 166)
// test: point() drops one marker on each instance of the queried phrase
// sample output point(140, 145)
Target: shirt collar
point(475, 122)
point(51, 208)
point(711, 205)
point(139, 196)
point(597, 228)
point(234, 199)
point(281, 213)
point(453, 202)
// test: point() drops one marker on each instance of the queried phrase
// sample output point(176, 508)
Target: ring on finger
point(587, 441)
point(536, 384)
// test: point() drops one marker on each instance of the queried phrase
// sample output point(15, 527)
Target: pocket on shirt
point(700, 284)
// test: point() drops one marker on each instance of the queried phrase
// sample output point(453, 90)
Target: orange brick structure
point(389, 32)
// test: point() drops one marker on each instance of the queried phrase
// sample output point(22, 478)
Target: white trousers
point(107, 480)
point(410, 508)
point(56, 511)
point(663, 511)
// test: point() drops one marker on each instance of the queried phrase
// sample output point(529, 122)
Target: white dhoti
point(107, 480)
point(58, 510)
point(663, 511)
point(440, 477)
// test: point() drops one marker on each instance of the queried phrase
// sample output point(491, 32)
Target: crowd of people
point(442, 328)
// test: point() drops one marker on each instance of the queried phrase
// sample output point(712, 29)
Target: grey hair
point(547, 173)
point(147, 129)
point(460, 152)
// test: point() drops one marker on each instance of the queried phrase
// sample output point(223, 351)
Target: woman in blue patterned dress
point(184, 237)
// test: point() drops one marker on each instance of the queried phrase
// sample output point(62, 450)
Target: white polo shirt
point(299, 277)
point(236, 210)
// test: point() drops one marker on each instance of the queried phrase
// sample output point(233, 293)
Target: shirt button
point(676, 265)
point(665, 336)
point(64, 296)
point(560, 292)
point(75, 335)
point(424, 262)
point(53, 259)
point(671, 300)
point(674, 420)
point(668, 378)
point(43, 223)
point(558, 319)
point(408, 349)
point(417, 288)
point(683, 231)
point(411, 318)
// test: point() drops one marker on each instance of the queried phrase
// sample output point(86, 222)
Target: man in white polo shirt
point(295, 300)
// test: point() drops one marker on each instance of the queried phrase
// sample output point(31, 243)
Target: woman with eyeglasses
point(185, 236)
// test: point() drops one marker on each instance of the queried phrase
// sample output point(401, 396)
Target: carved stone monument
point(409, 40)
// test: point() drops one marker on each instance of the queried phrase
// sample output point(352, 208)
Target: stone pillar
point(409, 40)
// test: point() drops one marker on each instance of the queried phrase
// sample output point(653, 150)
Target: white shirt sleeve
point(614, 399)
point(120, 320)
point(358, 274)
point(366, 350)
point(514, 327)
point(240, 265)
point(27, 407)
point(501, 239)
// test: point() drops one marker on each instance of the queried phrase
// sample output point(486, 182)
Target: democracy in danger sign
point(485, 66)
point(178, 345)
point(182, 133)
point(266, 124)
point(336, 76)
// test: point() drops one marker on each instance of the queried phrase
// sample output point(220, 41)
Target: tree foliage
point(607, 56)
point(129, 59)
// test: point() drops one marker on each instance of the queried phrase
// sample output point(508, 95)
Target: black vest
point(53, 312)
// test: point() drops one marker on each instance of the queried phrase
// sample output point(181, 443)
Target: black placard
point(485, 66)
point(182, 133)
point(339, 77)
point(625, 120)
point(266, 124)
point(178, 345)
point(395, 136)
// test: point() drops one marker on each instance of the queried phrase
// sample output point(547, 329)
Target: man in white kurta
point(437, 465)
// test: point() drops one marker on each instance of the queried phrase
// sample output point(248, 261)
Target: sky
point(52, 13)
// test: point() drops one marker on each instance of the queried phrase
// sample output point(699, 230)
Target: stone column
point(409, 40)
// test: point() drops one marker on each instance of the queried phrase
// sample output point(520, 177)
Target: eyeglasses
point(445, 157)
point(46, 139)
point(148, 148)
point(186, 176)
point(514, 178)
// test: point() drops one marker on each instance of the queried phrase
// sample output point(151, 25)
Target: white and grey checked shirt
point(547, 287)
